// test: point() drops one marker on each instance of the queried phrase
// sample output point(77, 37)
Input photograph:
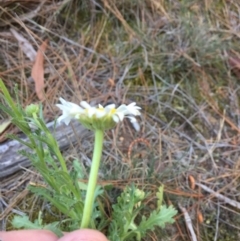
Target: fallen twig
point(220, 196)
point(188, 222)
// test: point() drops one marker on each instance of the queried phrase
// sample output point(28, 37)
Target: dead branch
point(10, 159)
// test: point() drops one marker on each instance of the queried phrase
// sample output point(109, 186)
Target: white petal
point(85, 105)
point(65, 119)
point(66, 103)
point(120, 115)
point(62, 100)
point(133, 109)
point(91, 111)
point(110, 107)
point(76, 109)
point(134, 122)
point(136, 126)
point(116, 118)
point(61, 107)
point(132, 119)
point(100, 113)
point(123, 109)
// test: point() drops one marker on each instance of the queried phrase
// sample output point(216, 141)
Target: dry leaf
point(192, 182)
point(4, 126)
point(38, 71)
point(25, 46)
point(111, 82)
point(200, 217)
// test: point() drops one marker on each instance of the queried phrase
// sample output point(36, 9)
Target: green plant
point(80, 203)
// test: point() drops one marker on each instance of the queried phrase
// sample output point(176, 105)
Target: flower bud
point(32, 109)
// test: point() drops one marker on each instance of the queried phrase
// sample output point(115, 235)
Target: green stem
point(57, 152)
point(53, 142)
point(97, 153)
point(60, 159)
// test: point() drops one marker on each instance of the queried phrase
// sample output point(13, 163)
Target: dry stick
point(217, 223)
point(211, 150)
point(220, 196)
point(159, 149)
point(188, 222)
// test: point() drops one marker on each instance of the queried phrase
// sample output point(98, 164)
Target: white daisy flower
point(98, 117)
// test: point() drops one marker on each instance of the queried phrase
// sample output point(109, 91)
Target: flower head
point(98, 117)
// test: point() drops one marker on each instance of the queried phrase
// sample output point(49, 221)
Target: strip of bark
point(11, 161)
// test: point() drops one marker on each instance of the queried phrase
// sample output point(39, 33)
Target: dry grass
point(178, 60)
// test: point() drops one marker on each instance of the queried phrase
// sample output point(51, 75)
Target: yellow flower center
point(113, 111)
